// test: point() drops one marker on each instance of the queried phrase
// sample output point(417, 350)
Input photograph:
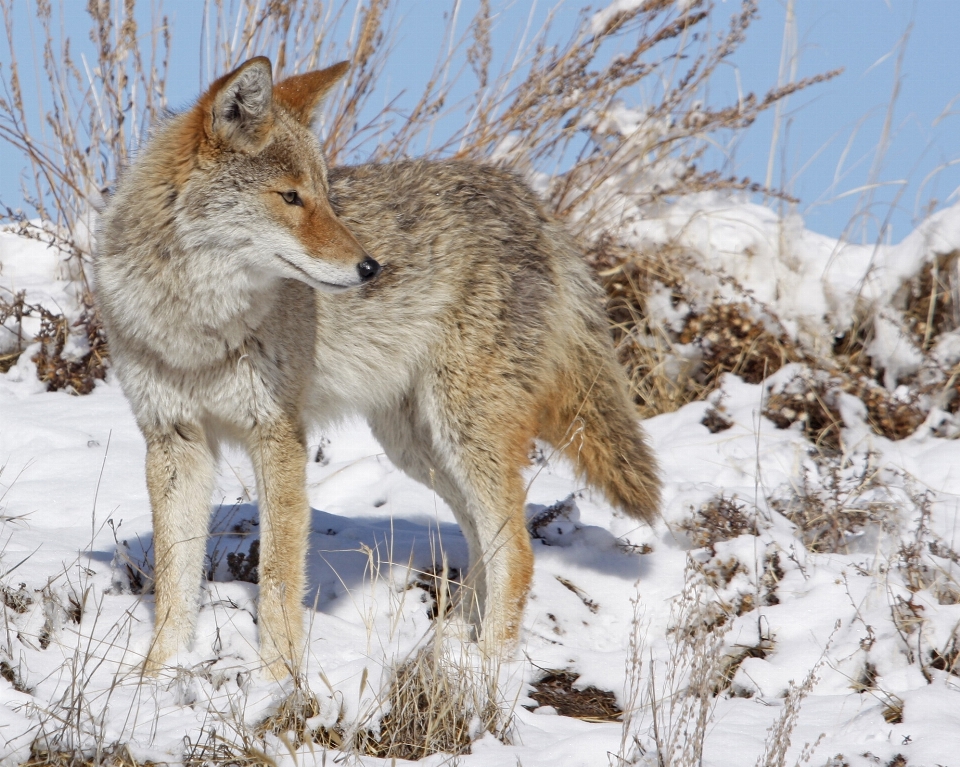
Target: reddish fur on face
point(317, 227)
point(198, 141)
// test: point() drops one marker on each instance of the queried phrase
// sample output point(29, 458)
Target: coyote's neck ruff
point(241, 303)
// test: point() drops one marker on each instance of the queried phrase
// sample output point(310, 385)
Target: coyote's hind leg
point(485, 447)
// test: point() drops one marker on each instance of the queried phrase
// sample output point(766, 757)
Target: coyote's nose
point(368, 269)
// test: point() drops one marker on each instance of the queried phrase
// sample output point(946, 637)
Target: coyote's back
point(479, 282)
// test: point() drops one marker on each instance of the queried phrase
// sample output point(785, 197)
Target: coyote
point(250, 293)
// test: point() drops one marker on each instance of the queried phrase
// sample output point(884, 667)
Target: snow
point(603, 17)
point(75, 528)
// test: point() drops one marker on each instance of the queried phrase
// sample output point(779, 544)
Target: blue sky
point(829, 140)
point(835, 128)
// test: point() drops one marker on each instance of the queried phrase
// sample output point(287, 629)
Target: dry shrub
point(718, 574)
point(715, 419)
point(943, 581)
point(888, 414)
point(18, 600)
point(928, 307)
point(76, 374)
point(849, 348)
point(733, 340)
point(14, 677)
point(94, 113)
point(931, 298)
point(432, 580)
point(671, 366)
point(674, 362)
point(822, 528)
point(682, 700)
point(836, 502)
point(867, 680)
point(811, 400)
point(917, 558)
point(662, 380)
point(57, 367)
point(115, 756)
point(732, 662)
point(588, 703)
point(434, 706)
point(557, 109)
point(244, 565)
point(720, 519)
point(946, 659)
point(771, 577)
point(951, 390)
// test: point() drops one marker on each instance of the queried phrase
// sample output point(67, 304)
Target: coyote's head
point(252, 179)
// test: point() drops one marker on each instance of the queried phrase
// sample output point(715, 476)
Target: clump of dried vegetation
point(839, 499)
point(556, 689)
point(721, 519)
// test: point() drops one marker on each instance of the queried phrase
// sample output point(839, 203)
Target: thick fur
point(483, 330)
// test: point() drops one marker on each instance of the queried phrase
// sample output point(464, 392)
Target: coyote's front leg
point(180, 469)
point(279, 457)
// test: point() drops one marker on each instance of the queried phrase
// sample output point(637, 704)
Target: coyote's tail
point(592, 420)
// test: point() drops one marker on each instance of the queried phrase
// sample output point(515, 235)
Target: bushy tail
point(592, 420)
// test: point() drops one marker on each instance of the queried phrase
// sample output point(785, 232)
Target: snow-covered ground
point(877, 621)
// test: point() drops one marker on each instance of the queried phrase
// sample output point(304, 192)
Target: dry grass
point(439, 701)
point(809, 398)
point(721, 519)
point(681, 700)
point(779, 735)
point(836, 501)
point(116, 756)
point(930, 299)
point(436, 708)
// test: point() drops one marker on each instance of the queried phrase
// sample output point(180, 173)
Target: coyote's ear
point(241, 105)
point(301, 95)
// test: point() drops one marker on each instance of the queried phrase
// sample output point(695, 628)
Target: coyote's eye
point(291, 198)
